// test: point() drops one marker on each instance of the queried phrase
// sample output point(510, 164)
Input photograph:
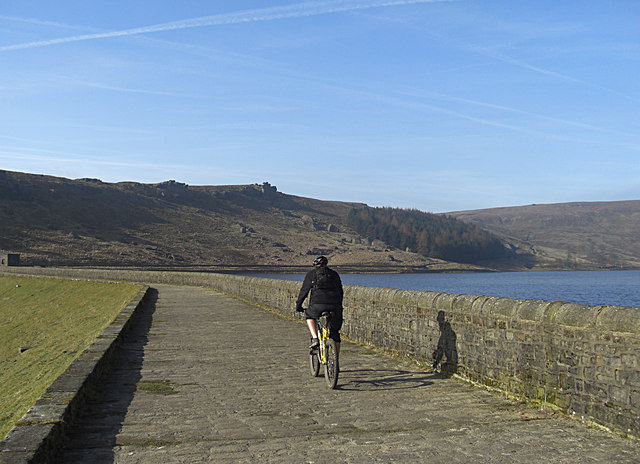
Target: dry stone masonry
point(584, 360)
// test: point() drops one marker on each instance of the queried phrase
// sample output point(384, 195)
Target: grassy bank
point(44, 325)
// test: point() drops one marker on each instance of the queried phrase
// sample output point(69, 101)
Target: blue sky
point(435, 105)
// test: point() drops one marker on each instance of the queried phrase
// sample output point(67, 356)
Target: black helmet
point(320, 261)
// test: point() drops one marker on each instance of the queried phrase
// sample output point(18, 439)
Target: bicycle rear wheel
point(331, 369)
point(314, 363)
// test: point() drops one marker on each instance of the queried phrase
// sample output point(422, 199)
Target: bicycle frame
point(325, 354)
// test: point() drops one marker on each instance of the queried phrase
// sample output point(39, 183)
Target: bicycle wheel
point(331, 369)
point(314, 363)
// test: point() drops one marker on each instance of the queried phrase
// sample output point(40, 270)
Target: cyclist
point(326, 295)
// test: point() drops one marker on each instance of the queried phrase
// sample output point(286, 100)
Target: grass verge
point(45, 325)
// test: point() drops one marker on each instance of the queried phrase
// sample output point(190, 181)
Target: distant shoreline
point(347, 269)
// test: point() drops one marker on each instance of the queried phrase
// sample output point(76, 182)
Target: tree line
point(431, 235)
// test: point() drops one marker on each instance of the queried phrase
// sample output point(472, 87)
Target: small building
point(9, 259)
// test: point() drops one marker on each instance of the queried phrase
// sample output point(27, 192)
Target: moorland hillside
point(86, 222)
point(580, 235)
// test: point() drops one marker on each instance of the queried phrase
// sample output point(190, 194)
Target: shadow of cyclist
point(446, 348)
point(389, 379)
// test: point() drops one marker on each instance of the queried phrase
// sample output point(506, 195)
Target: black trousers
point(335, 322)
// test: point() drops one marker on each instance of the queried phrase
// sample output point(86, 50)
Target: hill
point(87, 222)
point(58, 221)
point(589, 235)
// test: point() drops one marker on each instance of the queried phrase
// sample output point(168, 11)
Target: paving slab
point(205, 378)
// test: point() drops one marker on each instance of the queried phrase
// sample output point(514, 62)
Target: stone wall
point(582, 359)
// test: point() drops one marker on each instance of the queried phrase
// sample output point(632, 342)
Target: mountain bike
point(326, 353)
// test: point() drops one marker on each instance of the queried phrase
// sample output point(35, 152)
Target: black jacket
point(331, 296)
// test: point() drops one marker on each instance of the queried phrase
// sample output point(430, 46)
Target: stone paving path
point(242, 392)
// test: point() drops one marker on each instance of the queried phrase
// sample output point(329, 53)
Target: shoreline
point(348, 269)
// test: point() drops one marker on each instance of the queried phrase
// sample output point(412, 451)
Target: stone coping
point(37, 436)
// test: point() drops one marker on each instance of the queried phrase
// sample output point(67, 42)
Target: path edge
point(38, 435)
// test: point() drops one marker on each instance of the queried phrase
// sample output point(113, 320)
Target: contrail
point(247, 16)
point(522, 64)
point(132, 90)
point(518, 111)
point(58, 157)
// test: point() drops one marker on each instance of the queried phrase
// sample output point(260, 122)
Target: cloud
point(47, 156)
point(412, 104)
point(522, 64)
point(39, 22)
point(297, 10)
point(97, 85)
point(490, 53)
point(521, 112)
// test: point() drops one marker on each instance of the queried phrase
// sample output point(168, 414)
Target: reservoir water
point(586, 287)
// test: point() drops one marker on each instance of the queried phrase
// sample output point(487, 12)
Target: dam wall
point(584, 360)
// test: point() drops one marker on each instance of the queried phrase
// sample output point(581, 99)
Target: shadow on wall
point(446, 348)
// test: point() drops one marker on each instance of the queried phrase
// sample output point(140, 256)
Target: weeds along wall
point(582, 359)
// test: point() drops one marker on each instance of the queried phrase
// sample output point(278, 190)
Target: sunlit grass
point(44, 325)
point(158, 387)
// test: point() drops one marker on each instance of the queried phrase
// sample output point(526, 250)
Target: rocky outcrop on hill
point(87, 222)
point(57, 221)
